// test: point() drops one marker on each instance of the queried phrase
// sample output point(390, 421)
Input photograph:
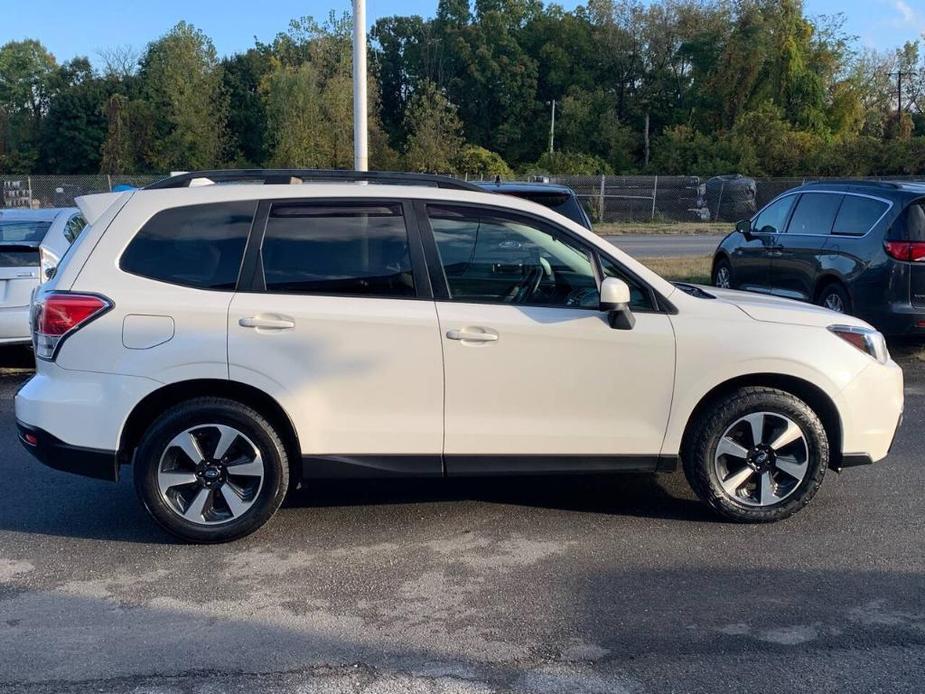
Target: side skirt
point(380, 466)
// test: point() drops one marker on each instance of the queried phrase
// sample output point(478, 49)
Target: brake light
point(910, 251)
point(60, 314)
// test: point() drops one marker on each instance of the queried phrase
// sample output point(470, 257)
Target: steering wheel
point(527, 287)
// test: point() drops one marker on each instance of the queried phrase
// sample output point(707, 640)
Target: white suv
point(230, 341)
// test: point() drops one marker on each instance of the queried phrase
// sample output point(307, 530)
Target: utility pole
point(552, 127)
point(360, 151)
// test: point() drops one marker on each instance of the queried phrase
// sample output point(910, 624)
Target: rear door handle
point(273, 322)
point(473, 335)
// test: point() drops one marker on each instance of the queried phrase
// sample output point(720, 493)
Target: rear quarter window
point(197, 246)
point(915, 221)
point(858, 215)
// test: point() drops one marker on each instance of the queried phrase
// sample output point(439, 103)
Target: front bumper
point(872, 413)
point(54, 453)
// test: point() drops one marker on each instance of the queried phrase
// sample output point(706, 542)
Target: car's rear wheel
point(835, 298)
point(722, 274)
point(757, 455)
point(211, 470)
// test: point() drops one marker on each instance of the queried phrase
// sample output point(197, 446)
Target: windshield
point(22, 231)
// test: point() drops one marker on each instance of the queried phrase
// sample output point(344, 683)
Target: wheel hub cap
point(761, 459)
point(210, 474)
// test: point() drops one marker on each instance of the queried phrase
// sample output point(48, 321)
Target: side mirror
point(744, 227)
point(615, 299)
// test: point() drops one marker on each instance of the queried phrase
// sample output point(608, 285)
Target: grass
point(670, 228)
point(693, 269)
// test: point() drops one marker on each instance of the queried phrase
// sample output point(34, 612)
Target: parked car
point(231, 341)
point(854, 247)
point(32, 242)
point(556, 197)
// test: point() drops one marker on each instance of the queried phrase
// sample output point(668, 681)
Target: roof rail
point(296, 176)
point(857, 182)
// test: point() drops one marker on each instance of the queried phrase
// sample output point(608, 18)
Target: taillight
point(910, 251)
point(60, 314)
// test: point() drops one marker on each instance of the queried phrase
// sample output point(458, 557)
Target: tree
point(182, 82)
point(479, 162)
point(434, 131)
point(74, 129)
point(309, 98)
point(26, 83)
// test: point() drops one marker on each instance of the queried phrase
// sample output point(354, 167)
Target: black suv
point(557, 197)
point(853, 246)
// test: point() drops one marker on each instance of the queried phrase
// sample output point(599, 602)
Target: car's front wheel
point(756, 455)
point(211, 470)
point(722, 274)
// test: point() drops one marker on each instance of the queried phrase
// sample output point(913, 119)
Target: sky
point(69, 28)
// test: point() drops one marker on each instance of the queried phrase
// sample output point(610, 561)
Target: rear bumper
point(896, 319)
point(14, 325)
point(54, 453)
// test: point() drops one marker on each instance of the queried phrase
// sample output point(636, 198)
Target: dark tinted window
point(857, 215)
point(73, 228)
point(814, 214)
point(915, 222)
point(338, 249)
point(489, 257)
point(195, 246)
point(773, 218)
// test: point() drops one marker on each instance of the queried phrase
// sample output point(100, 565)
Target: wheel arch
point(808, 392)
point(155, 403)
point(720, 254)
point(829, 278)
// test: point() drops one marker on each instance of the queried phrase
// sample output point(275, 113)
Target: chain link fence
point(606, 198)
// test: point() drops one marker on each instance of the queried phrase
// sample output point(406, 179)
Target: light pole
point(360, 152)
point(552, 126)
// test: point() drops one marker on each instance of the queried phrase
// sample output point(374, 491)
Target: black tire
point(206, 411)
point(703, 437)
point(834, 292)
point(720, 266)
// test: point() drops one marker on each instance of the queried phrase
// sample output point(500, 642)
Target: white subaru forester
point(229, 341)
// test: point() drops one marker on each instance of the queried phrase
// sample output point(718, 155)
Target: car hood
point(774, 309)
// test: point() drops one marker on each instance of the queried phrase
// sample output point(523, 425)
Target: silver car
point(32, 243)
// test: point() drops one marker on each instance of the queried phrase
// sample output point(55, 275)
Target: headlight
point(867, 340)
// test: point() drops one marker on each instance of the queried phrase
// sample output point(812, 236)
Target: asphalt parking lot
point(622, 584)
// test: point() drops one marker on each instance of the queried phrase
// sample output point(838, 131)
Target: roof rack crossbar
point(295, 176)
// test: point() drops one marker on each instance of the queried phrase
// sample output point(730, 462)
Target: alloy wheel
point(761, 459)
point(210, 474)
point(723, 280)
point(834, 302)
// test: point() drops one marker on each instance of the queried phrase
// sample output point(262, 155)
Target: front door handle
point(273, 322)
point(473, 335)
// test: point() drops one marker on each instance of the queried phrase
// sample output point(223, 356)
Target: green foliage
point(478, 162)
point(667, 86)
point(570, 164)
point(181, 83)
point(434, 131)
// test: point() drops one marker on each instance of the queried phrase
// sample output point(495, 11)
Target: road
point(650, 245)
point(624, 584)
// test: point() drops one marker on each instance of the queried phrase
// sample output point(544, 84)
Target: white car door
point(339, 327)
point(536, 379)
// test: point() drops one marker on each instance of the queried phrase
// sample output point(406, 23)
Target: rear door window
point(858, 215)
point(815, 214)
point(338, 249)
point(197, 246)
